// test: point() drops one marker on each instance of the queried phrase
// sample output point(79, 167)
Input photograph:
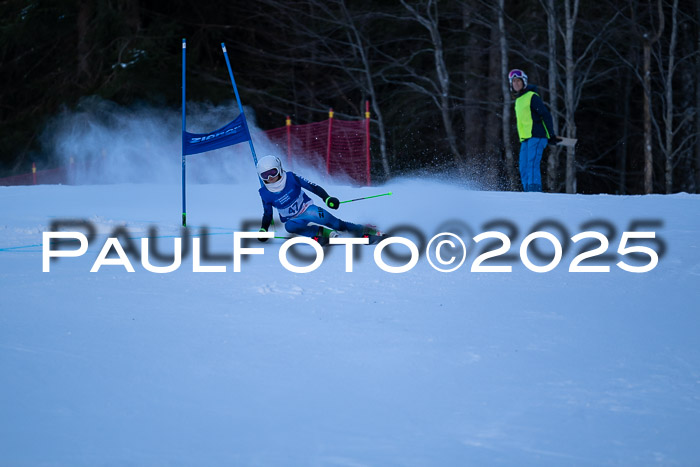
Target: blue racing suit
point(297, 211)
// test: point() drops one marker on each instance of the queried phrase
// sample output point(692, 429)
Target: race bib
point(296, 207)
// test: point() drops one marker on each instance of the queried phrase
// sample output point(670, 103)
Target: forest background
point(621, 76)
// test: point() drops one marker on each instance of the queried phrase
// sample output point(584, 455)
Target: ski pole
point(366, 197)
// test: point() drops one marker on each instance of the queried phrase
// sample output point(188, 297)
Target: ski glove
point(332, 202)
point(554, 140)
point(262, 239)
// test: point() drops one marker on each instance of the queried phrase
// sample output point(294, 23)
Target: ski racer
point(284, 191)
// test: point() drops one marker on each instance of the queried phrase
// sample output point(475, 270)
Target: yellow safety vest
point(523, 115)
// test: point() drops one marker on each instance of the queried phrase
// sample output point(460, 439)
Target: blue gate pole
point(245, 122)
point(240, 106)
point(184, 210)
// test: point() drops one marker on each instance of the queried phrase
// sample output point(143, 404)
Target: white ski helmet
point(270, 167)
point(517, 74)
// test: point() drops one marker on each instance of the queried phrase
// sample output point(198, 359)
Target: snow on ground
point(335, 368)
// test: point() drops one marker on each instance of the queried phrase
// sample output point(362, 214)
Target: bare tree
point(579, 72)
point(553, 79)
point(429, 19)
point(481, 91)
point(649, 40)
point(473, 63)
point(622, 149)
point(668, 114)
point(676, 120)
point(358, 41)
point(669, 124)
point(571, 14)
point(697, 106)
point(331, 36)
point(506, 109)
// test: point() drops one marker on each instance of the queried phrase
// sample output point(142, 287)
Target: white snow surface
point(334, 368)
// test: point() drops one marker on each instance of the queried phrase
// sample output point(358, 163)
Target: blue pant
point(317, 215)
point(530, 157)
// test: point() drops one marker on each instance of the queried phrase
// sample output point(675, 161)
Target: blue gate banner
point(233, 133)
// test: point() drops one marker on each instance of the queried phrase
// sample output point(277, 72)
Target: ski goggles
point(268, 174)
point(516, 74)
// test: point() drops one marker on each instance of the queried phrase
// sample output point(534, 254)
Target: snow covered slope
point(269, 367)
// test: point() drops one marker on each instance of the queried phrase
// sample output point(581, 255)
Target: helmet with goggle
point(517, 74)
point(269, 167)
point(271, 172)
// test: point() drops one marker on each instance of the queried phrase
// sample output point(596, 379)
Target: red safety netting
point(41, 177)
point(337, 147)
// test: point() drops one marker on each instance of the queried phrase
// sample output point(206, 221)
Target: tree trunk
point(553, 75)
point(668, 117)
point(697, 111)
point(646, 70)
point(624, 143)
point(430, 22)
point(467, 111)
point(493, 131)
point(382, 134)
point(444, 80)
point(506, 109)
point(648, 155)
point(473, 126)
point(569, 99)
point(369, 82)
